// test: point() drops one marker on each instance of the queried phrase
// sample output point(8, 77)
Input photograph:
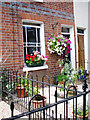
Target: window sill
point(35, 68)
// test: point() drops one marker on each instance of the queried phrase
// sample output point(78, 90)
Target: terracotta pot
point(38, 103)
point(21, 92)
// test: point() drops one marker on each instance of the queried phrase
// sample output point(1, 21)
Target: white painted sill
point(35, 68)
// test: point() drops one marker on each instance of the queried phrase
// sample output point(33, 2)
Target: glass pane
point(31, 34)
point(24, 53)
point(67, 36)
point(80, 31)
point(64, 29)
point(38, 33)
point(24, 35)
point(39, 49)
point(30, 50)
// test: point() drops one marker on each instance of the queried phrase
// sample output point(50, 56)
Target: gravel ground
point(5, 108)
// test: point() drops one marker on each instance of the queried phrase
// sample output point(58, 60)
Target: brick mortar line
point(37, 11)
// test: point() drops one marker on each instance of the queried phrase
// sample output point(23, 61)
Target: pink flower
point(69, 41)
point(68, 51)
point(62, 40)
point(35, 52)
point(59, 40)
point(53, 35)
point(68, 48)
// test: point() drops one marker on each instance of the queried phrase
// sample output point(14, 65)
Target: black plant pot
point(35, 64)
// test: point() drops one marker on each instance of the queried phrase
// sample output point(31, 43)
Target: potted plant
point(37, 101)
point(35, 60)
point(82, 74)
point(80, 111)
point(24, 87)
point(66, 73)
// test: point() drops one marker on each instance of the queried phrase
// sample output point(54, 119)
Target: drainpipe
point(76, 46)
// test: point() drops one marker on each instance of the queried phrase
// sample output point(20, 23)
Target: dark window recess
point(65, 30)
point(67, 36)
point(24, 23)
point(69, 55)
point(31, 40)
point(80, 31)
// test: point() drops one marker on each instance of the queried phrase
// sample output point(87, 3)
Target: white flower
point(54, 40)
point(50, 43)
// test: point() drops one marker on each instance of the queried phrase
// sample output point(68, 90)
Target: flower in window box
point(35, 60)
point(59, 45)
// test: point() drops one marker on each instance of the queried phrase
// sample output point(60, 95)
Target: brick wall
point(12, 35)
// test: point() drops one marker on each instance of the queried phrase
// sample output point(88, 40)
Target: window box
point(35, 64)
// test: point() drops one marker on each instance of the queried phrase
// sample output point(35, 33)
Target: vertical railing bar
point(37, 86)
point(56, 101)
point(49, 94)
point(66, 110)
point(13, 82)
point(27, 93)
point(35, 112)
point(29, 108)
point(8, 80)
point(52, 114)
point(60, 116)
point(43, 110)
point(20, 83)
point(12, 108)
point(3, 85)
point(24, 90)
point(64, 102)
point(42, 86)
point(76, 106)
point(73, 104)
point(84, 87)
point(32, 84)
point(46, 113)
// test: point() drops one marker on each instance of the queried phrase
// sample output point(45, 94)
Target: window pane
point(30, 50)
point(24, 53)
point(38, 33)
point(31, 34)
point(65, 30)
point(24, 35)
point(67, 36)
point(80, 31)
point(39, 49)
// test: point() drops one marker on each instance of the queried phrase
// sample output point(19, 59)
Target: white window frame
point(42, 40)
point(71, 33)
point(38, 0)
point(33, 26)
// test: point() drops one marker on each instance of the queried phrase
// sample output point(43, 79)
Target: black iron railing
point(51, 109)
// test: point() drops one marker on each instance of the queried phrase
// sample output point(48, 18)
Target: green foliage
point(27, 84)
point(80, 110)
point(66, 72)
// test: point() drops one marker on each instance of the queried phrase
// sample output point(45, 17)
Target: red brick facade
point(12, 35)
